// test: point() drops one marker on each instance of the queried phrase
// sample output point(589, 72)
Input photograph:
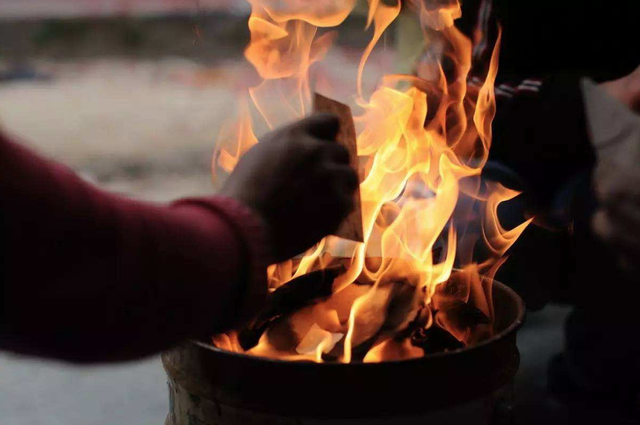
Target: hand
point(615, 134)
point(617, 220)
point(626, 89)
point(298, 180)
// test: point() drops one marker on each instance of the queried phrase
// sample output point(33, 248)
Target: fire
point(422, 146)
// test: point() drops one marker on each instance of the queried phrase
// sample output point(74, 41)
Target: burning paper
point(351, 227)
point(318, 341)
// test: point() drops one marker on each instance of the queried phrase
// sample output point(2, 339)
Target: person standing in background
point(567, 129)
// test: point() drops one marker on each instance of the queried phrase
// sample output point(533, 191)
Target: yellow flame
point(497, 239)
point(393, 350)
point(320, 13)
point(382, 16)
point(421, 149)
point(234, 140)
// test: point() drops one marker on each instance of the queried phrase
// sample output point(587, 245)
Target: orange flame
point(422, 149)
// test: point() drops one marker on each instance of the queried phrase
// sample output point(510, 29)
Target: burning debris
point(406, 323)
point(406, 279)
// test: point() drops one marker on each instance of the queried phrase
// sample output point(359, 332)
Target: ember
point(421, 147)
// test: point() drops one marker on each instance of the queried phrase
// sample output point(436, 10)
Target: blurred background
point(132, 94)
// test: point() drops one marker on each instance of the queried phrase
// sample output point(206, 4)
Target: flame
point(422, 145)
point(393, 350)
point(439, 15)
point(381, 15)
point(496, 238)
point(234, 140)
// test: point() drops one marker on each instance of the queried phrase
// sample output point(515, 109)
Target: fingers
point(345, 176)
point(321, 126)
point(337, 153)
point(309, 136)
point(332, 180)
point(310, 151)
point(335, 166)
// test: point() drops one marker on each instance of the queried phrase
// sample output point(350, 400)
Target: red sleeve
point(91, 276)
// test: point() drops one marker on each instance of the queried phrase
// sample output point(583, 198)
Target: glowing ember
point(421, 146)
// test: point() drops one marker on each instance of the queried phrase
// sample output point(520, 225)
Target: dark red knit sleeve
point(91, 276)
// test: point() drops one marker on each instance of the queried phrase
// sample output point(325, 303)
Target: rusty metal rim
point(511, 329)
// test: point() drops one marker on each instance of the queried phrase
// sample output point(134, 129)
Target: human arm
point(91, 276)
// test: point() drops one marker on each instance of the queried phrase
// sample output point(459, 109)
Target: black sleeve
point(540, 133)
point(540, 137)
